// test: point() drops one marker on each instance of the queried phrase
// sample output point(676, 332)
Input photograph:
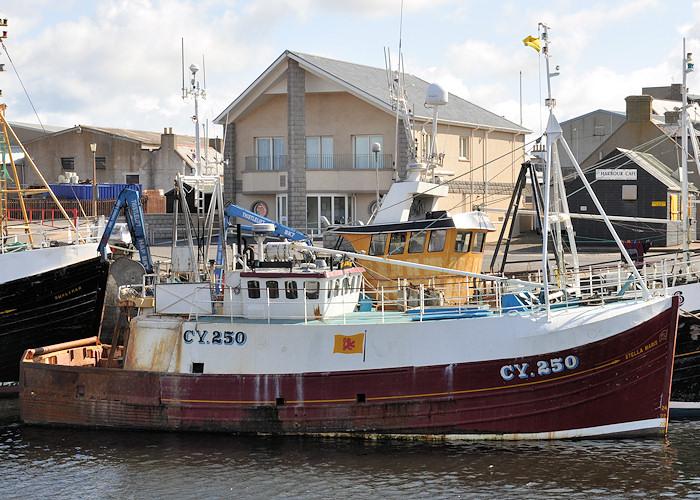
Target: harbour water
point(39, 462)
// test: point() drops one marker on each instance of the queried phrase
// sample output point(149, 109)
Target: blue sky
point(116, 63)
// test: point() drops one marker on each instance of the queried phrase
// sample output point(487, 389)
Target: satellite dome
point(435, 95)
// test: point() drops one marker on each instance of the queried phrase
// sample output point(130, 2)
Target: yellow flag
point(533, 42)
point(349, 344)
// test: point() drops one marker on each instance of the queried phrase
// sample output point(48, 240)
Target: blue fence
point(84, 191)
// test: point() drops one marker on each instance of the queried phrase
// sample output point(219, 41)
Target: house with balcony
point(298, 144)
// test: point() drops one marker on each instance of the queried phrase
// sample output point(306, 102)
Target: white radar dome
point(435, 95)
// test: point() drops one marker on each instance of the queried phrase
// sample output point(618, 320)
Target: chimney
point(167, 140)
point(638, 108)
point(672, 116)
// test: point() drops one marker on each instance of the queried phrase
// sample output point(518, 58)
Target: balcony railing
point(322, 162)
point(253, 163)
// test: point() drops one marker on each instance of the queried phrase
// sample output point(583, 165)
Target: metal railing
point(322, 162)
point(401, 302)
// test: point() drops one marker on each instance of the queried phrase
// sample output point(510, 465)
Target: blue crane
point(129, 200)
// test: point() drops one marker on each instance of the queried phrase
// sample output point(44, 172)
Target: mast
point(553, 173)
point(685, 202)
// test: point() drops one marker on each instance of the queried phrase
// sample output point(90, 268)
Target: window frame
point(68, 163)
point(479, 242)
point(464, 148)
point(253, 287)
point(374, 243)
point(273, 289)
point(439, 234)
point(397, 247)
point(467, 243)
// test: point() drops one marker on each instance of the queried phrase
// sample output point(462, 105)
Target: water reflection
point(69, 463)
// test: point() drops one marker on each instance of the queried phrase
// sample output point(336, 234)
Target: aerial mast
point(685, 202)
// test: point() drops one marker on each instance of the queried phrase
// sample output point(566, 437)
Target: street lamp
point(93, 148)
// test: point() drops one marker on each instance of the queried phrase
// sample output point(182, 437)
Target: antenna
point(183, 68)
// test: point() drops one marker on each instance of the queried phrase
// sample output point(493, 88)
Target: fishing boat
point(287, 347)
point(52, 280)
point(284, 338)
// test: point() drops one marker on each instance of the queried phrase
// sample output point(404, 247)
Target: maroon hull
point(623, 379)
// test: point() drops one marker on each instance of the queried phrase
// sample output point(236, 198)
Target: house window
point(319, 153)
point(68, 163)
point(101, 163)
point(426, 140)
point(362, 151)
point(464, 148)
point(436, 243)
point(270, 153)
point(629, 192)
point(333, 209)
point(132, 178)
point(282, 208)
point(599, 130)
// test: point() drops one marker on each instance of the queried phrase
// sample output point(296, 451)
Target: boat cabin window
point(416, 244)
point(479, 242)
point(463, 241)
point(312, 288)
point(254, 289)
point(290, 289)
point(377, 244)
point(436, 243)
point(273, 290)
point(346, 285)
point(397, 243)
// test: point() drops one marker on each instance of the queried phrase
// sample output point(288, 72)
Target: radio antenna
point(183, 69)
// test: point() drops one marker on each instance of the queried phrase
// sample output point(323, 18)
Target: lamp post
point(93, 148)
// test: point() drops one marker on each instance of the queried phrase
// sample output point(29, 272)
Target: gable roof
point(619, 114)
point(655, 167)
point(370, 85)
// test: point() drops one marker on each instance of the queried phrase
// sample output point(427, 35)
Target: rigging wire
point(31, 103)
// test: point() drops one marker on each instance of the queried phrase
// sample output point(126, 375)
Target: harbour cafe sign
point(616, 174)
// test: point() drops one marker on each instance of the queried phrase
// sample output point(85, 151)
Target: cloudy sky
point(117, 63)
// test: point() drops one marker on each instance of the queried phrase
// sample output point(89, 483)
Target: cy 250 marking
point(544, 367)
point(216, 338)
